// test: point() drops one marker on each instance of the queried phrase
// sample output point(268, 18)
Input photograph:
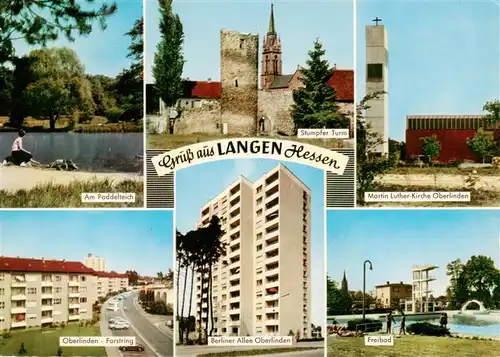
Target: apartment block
point(262, 285)
point(95, 263)
point(392, 294)
point(35, 292)
point(110, 283)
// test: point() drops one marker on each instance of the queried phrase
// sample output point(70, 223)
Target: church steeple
point(271, 54)
point(272, 30)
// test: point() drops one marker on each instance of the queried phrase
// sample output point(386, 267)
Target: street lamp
point(364, 283)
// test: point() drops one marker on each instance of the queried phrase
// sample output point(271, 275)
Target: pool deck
point(14, 178)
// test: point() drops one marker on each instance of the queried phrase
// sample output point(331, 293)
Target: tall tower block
point(239, 82)
point(377, 80)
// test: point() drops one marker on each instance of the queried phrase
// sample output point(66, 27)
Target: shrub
point(6, 334)
point(315, 339)
point(427, 329)
point(495, 162)
point(113, 114)
point(360, 325)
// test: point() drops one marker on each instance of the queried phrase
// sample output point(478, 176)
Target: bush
point(375, 325)
point(315, 339)
point(427, 329)
point(113, 114)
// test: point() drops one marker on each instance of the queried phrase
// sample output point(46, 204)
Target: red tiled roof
point(103, 274)
point(342, 81)
point(202, 89)
point(43, 265)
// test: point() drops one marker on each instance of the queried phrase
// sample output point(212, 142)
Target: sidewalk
point(159, 321)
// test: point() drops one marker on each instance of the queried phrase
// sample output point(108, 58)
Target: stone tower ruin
point(239, 82)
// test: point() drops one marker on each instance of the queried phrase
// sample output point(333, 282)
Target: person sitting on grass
point(342, 332)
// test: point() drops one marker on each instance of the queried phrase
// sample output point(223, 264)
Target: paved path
point(13, 178)
point(192, 351)
point(440, 181)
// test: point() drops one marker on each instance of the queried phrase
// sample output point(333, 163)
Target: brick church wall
point(239, 80)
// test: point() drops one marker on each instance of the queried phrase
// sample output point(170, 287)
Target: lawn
point(96, 125)
point(167, 141)
point(479, 198)
point(256, 352)
point(69, 196)
point(45, 342)
point(414, 346)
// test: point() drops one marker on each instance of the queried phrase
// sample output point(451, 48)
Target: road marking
point(137, 332)
point(169, 334)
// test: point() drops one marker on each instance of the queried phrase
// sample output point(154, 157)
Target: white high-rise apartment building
point(262, 285)
point(96, 263)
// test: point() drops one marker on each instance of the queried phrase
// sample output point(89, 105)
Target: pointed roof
point(272, 29)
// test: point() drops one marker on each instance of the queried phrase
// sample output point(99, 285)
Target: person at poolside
point(402, 327)
point(19, 156)
point(443, 321)
point(389, 319)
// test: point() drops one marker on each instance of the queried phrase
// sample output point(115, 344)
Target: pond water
point(100, 152)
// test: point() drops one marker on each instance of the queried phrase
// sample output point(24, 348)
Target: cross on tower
point(377, 20)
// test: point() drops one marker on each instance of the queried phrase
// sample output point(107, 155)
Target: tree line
point(50, 83)
point(197, 252)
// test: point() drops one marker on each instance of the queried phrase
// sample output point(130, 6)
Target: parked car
point(136, 348)
point(118, 326)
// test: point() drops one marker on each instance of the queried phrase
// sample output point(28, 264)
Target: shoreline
point(14, 178)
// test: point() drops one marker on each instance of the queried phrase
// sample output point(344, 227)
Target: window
point(374, 72)
point(56, 301)
point(58, 278)
point(236, 83)
point(242, 42)
point(31, 291)
point(83, 300)
point(2, 277)
point(83, 278)
point(2, 305)
point(2, 291)
point(259, 247)
point(58, 290)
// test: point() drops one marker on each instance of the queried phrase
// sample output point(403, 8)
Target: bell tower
point(271, 55)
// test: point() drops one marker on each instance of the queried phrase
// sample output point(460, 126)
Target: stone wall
point(204, 120)
point(239, 81)
point(156, 124)
point(275, 106)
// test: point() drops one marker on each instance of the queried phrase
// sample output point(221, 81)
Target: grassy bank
point(414, 346)
point(166, 141)
point(256, 352)
point(482, 171)
point(38, 342)
point(479, 198)
point(95, 125)
point(69, 196)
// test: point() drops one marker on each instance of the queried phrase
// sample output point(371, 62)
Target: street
point(149, 330)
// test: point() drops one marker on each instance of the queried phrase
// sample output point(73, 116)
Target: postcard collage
point(226, 178)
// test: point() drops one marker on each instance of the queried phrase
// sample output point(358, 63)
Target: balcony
point(271, 310)
point(47, 320)
point(234, 323)
point(74, 305)
point(234, 299)
point(18, 310)
point(272, 284)
point(18, 324)
point(234, 311)
point(272, 322)
point(74, 294)
point(74, 317)
point(47, 295)
point(18, 284)
point(73, 283)
point(235, 287)
point(272, 297)
point(18, 297)
point(47, 283)
point(47, 307)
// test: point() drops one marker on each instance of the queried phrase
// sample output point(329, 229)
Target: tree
point(22, 350)
point(431, 147)
point(315, 104)
point(133, 277)
point(492, 109)
point(6, 86)
point(482, 144)
point(129, 85)
point(103, 93)
point(38, 22)
point(339, 302)
point(169, 59)
point(22, 77)
point(369, 165)
point(60, 86)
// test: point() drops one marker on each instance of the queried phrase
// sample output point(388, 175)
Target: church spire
point(272, 30)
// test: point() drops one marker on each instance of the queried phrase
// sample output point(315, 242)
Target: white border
point(144, 115)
